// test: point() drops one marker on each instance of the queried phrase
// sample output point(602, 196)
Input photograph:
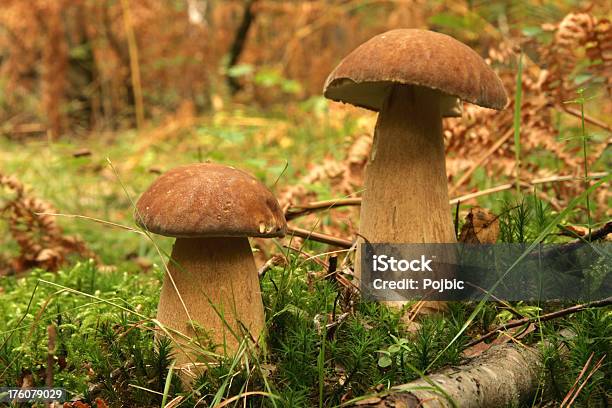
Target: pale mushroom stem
point(406, 193)
point(220, 271)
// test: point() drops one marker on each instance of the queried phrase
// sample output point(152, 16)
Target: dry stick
point(343, 243)
point(270, 263)
point(582, 372)
point(299, 210)
point(50, 359)
point(307, 256)
point(481, 160)
point(587, 118)
point(304, 209)
point(549, 316)
point(596, 235)
point(319, 237)
point(595, 368)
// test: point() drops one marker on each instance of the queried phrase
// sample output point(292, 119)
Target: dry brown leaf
point(41, 241)
point(481, 227)
point(100, 403)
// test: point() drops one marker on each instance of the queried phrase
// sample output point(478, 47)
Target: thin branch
point(276, 260)
point(305, 209)
point(545, 317)
point(307, 256)
point(465, 177)
point(587, 118)
point(596, 235)
point(300, 210)
point(319, 237)
point(586, 380)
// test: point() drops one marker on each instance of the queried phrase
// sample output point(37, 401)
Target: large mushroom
point(412, 78)
point(211, 210)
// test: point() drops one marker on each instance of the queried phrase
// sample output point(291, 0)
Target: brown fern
point(40, 239)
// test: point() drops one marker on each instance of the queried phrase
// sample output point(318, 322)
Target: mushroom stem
point(406, 194)
point(209, 274)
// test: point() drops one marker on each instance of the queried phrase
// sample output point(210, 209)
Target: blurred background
point(70, 67)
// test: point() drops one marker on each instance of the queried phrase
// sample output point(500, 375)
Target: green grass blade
point(518, 98)
point(167, 385)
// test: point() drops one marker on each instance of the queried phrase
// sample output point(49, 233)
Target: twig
point(304, 209)
point(307, 256)
point(596, 235)
point(481, 193)
point(595, 368)
point(81, 153)
point(333, 265)
point(549, 316)
point(587, 118)
point(299, 210)
point(482, 159)
point(270, 263)
point(319, 237)
point(582, 372)
point(552, 179)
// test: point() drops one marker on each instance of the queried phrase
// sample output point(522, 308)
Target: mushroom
point(211, 210)
point(412, 78)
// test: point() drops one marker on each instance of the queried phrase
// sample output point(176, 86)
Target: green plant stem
point(586, 166)
point(517, 122)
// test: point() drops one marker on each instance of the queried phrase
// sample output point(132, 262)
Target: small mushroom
point(211, 210)
point(412, 78)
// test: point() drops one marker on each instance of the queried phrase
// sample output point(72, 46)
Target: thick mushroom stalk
point(406, 194)
point(216, 279)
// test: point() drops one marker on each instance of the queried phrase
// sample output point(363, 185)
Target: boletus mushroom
point(211, 210)
point(412, 78)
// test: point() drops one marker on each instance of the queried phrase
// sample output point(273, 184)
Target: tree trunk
point(248, 17)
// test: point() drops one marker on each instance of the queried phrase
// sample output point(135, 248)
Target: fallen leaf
point(481, 227)
point(100, 403)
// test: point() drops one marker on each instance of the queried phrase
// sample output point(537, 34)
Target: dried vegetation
point(40, 240)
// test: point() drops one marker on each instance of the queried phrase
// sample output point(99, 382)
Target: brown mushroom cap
point(210, 200)
point(414, 57)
